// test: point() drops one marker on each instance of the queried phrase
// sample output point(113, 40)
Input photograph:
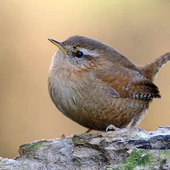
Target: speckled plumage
point(102, 87)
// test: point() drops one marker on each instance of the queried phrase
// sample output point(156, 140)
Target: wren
point(95, 85)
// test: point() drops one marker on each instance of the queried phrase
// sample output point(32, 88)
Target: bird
point(94, 85)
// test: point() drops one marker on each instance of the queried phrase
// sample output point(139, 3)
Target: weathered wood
point(123, 149)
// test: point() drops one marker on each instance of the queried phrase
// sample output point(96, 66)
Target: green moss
point(37, 145)
point(77, 139)
point(110, 168)
point(17, 157)
point(136, 158)
point(31, 146)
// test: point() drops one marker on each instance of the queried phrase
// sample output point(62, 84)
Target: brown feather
point(128, 83)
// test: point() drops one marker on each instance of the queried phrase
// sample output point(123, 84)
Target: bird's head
point(82, 52)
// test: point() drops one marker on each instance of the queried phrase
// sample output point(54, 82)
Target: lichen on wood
point(124, 149)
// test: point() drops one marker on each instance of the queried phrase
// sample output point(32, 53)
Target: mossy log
point(124, 149)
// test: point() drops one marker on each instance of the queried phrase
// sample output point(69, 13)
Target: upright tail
point(150, 70)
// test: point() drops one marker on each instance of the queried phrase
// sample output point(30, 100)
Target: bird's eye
point(79, 54)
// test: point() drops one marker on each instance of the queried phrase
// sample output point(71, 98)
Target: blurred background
point(140, 30)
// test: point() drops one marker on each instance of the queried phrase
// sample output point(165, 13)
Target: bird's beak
point(58, 44)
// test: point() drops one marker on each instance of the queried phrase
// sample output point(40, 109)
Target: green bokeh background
point(140, 30)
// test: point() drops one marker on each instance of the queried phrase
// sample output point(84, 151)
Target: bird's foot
point(112, 128)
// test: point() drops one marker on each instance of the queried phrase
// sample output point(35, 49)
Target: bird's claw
point(111, 128)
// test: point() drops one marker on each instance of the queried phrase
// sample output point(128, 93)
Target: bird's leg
point(88, 130)
point(137, 119)
point(130, 125)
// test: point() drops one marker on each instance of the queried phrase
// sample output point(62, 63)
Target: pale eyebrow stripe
point(89, 52)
